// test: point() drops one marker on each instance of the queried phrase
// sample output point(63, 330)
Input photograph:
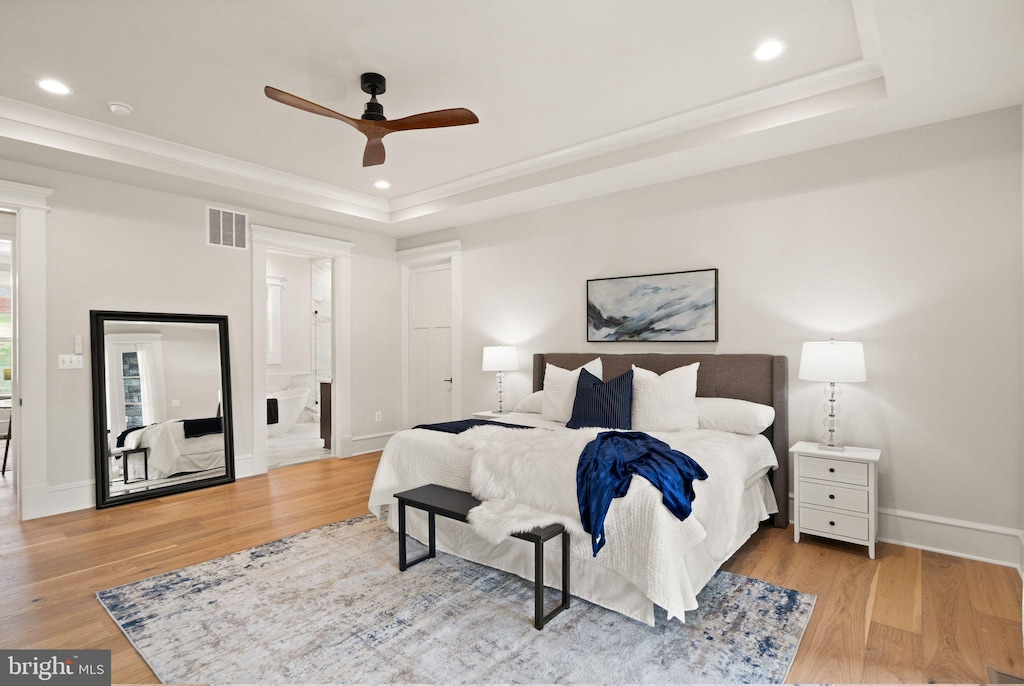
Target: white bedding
point(171, 453)
point(650, 557)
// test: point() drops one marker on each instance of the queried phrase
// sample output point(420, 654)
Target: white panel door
point(430, 344)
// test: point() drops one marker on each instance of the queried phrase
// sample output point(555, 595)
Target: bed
point(651, 558)
point(171, 453)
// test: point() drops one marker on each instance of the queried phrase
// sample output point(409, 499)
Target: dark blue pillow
point(604, 405)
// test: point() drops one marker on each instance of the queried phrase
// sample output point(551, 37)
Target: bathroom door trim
point(267, 239)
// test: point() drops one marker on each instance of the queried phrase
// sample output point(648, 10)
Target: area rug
point(330, 606)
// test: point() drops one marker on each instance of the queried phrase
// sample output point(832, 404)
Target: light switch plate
point(65, 361)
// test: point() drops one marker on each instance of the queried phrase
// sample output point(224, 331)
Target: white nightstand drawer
point(834, 524)
point(834, 496)
point(833, 470)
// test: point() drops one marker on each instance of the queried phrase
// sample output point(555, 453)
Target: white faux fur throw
point(525, 477)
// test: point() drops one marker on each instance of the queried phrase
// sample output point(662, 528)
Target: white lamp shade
point(501, 358)
point(838, 361)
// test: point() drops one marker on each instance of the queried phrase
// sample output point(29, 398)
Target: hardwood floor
point(908, 616)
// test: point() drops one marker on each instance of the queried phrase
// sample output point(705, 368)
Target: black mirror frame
point(97, 318)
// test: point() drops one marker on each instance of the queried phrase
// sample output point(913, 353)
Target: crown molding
point(49, 128)
point(844, 76)
point(829, 90)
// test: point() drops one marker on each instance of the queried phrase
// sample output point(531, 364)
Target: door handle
point(448, 380)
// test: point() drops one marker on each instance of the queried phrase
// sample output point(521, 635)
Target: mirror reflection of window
point(131, 385)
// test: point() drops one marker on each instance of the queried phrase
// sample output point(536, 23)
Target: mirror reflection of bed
point(164, 404)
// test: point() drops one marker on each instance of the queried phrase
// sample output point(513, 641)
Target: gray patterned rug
point(330, 606)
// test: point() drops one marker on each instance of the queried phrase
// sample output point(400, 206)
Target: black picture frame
point(674, 307)
point(97, 321)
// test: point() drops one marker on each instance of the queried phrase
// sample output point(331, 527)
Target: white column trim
point(28, 411)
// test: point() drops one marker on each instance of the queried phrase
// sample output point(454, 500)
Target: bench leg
point(539, 618)
point(403, 562)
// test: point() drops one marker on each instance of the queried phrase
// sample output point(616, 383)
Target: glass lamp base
point(837, 447)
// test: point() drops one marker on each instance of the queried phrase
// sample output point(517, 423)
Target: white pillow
point(666, 402)
point(533, 403)
point(737, 416)
point(560, 389)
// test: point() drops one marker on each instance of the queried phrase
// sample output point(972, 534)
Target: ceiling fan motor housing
point(374, 84)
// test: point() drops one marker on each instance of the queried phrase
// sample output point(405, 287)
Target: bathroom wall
point(296, 367)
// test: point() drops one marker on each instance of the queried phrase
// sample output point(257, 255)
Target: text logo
point(55, 667)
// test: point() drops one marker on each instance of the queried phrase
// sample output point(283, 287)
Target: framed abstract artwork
point(680, 306)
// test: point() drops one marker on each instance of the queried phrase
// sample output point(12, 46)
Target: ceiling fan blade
point(374, 153)
point(303, 104)
point(457, 116)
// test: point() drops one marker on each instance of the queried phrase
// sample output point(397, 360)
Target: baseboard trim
point(370, 443)
point(243, 466)
point(70, 497)
point(81, 495)
point(991, 543)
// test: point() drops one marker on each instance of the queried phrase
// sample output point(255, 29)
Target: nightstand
point(490, 414)
point(836, 493)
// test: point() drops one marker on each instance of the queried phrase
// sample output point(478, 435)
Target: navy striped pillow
point(605, 405)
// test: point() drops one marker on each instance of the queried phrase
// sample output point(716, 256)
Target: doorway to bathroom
point(299, 358)
point(301, 349)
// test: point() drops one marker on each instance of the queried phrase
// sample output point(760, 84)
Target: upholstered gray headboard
point(758, 378)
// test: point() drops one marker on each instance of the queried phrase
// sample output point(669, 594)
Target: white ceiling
point(576, 98)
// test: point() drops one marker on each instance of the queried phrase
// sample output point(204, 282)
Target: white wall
point(119, 247)
point(191, 363)
point(909, 242)
point(191, 371)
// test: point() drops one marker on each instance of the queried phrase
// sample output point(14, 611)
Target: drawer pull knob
point(831, 523)
point(832, 470)
point(831, 496)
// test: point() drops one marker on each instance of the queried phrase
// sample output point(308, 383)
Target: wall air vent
point(227, 228)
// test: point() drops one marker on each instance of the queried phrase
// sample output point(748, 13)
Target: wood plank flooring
point(908, 616)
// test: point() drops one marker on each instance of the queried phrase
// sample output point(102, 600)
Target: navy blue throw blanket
point(461, 425)
point(607, 466)
point(194, 428)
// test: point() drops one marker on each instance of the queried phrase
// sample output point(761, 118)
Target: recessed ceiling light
point(382, 184)
point(122, 109)
point(769, 50)
point(53, 86)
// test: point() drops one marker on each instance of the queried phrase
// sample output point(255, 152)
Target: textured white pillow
point(560, 389)
point(666, 402)
point(533, 403)
point(737, 416)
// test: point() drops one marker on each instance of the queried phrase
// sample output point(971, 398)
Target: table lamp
point(500, 359)
point(832, 362)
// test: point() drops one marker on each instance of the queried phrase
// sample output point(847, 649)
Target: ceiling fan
point(373, 124)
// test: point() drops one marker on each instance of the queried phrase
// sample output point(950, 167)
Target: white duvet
point(528, 476)
point(171, 453)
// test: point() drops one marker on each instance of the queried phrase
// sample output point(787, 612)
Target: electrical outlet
point(175, 403)
point(78, 344)
point(378, 416)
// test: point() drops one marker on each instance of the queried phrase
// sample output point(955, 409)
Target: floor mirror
point(161, 404)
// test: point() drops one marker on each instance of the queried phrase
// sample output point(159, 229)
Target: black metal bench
point(455, 504)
